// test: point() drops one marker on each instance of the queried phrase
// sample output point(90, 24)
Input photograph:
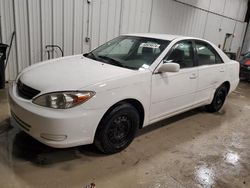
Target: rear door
point(211, 70)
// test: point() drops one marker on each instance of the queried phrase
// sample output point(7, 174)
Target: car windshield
point(247, 55)
point(129, 52)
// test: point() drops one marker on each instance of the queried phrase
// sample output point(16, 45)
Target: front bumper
point(55, 128)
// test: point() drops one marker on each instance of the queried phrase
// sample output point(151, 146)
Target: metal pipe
point(208, 11)
point(12, 37)
point(53, 46)
point(1, 40)
point(87, 39)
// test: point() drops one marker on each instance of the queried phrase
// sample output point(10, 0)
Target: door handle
point(222, 70)
point(193, 76)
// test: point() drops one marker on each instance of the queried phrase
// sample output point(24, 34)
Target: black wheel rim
point(220, 98)
point(120, 131)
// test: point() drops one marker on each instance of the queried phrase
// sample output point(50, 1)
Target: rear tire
point(218, 100)
point(117, 129)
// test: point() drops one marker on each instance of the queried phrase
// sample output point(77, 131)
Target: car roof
point(161, 36)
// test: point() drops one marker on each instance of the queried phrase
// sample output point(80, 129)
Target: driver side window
point(182, 54)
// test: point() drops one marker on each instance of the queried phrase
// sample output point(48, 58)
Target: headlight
point(63, 100)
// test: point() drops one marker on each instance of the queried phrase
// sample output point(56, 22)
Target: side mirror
point(169, 67)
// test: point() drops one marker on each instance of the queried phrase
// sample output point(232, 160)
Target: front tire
point(218, 100)
point(117, 129)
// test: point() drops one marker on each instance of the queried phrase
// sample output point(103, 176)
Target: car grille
point(25, 91)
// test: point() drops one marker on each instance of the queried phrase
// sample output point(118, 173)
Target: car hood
point(70, 73)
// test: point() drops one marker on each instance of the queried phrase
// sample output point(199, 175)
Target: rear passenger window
point(207, 55)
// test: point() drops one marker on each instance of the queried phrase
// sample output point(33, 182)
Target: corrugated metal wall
point(246, 45)
point(68, 23)
point(111, 18)
point(205, 19)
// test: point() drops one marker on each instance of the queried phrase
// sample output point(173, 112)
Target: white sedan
point(105, 96)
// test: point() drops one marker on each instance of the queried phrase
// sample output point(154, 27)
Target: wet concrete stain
point(194, 149)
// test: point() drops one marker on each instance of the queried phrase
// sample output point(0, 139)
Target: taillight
point(247, 62)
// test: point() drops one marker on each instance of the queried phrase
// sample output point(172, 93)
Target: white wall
point(176, 18)
point(206, 19)
point(246, 46)
point(68, 22)
point(114, 17)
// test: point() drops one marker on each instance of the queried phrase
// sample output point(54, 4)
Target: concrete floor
point(194, 149)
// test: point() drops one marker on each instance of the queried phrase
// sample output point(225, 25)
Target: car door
point(175, 91)
point(211, 70)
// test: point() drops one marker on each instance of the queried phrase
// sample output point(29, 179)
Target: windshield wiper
point(107, 60)
point(90, 55)
point(111, 61)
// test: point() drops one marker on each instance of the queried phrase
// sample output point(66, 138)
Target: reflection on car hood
point(70, 73)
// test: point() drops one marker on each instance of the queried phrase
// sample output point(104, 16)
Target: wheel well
point(227, 84)
point(135, 103)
